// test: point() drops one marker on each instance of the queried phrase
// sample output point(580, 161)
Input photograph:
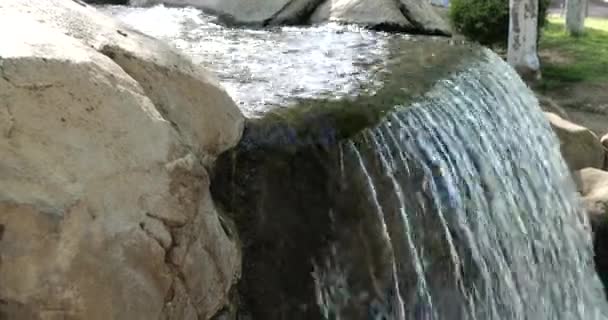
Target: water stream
point(454, 203)
point(502, 197)
point(264, 69)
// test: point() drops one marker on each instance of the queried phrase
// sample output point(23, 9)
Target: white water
point(501, 194)
point(262, 68)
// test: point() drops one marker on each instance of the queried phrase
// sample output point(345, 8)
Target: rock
point(366, 12)
point(594, 190)
point(412, 16)
point(580, 147)
point(235, 11)
point(105, 211)
point(186, 94)
point(308, 143)
point(296, 12)
point(424, 17)
point(593, 186)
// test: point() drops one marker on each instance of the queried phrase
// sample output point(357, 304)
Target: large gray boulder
point(366, 12)
point(424, 17)
point(409, 15)
point(237, 11)
point(105, 211)
point(580, 147)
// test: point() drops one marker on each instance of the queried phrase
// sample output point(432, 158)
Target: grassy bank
point(567, 60)
point(575, 72)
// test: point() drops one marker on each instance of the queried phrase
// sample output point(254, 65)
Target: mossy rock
point(303, 208)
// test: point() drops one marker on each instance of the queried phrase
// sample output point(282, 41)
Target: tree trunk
point(576, 10)
point(523, 35)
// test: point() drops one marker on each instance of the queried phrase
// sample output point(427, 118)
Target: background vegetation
point(487, 21)
point(568, 60)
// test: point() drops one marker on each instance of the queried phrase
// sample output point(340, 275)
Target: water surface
point(263, 69)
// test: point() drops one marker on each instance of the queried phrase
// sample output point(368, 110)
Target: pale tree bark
point(523, 35)
point(576, 11)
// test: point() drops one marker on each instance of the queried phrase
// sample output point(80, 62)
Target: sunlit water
point(466, 184)
point(262, 68)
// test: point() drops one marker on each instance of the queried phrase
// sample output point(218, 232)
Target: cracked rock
point(101, 178)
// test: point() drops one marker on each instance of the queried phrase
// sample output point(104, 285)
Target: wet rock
point(300, 246)
point(297, 12)
point(580, 147)
point(319, 248)
point(105, 211)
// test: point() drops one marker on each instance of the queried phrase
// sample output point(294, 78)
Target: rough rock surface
point(580, 147)
point(367, 12)
point(177, 87)
point(593, 185)
point(296, 12)
point(105, 211)
point(424, 17)
point(411, 16)
point(237, 11)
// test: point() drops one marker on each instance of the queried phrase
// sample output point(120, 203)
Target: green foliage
point(581, 59)
point(487, 21)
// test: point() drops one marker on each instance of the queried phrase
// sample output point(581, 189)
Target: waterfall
point(489, 174)
point(456, 205)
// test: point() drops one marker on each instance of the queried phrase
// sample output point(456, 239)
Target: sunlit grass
point(575, 59)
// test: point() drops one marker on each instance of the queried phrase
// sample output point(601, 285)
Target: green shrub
point(487, 21)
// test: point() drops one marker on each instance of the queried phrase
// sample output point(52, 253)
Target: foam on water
point(261, 68)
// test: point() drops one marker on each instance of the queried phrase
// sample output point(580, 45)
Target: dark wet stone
point(320, 247)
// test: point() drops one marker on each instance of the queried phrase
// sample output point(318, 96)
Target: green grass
point(581, 59)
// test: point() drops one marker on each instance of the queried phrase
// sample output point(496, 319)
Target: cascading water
point(437, 192)
point(502, 201)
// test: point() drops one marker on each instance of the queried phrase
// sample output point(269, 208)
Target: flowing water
point(268, 68)
point(455, 204)
point(501, 193)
